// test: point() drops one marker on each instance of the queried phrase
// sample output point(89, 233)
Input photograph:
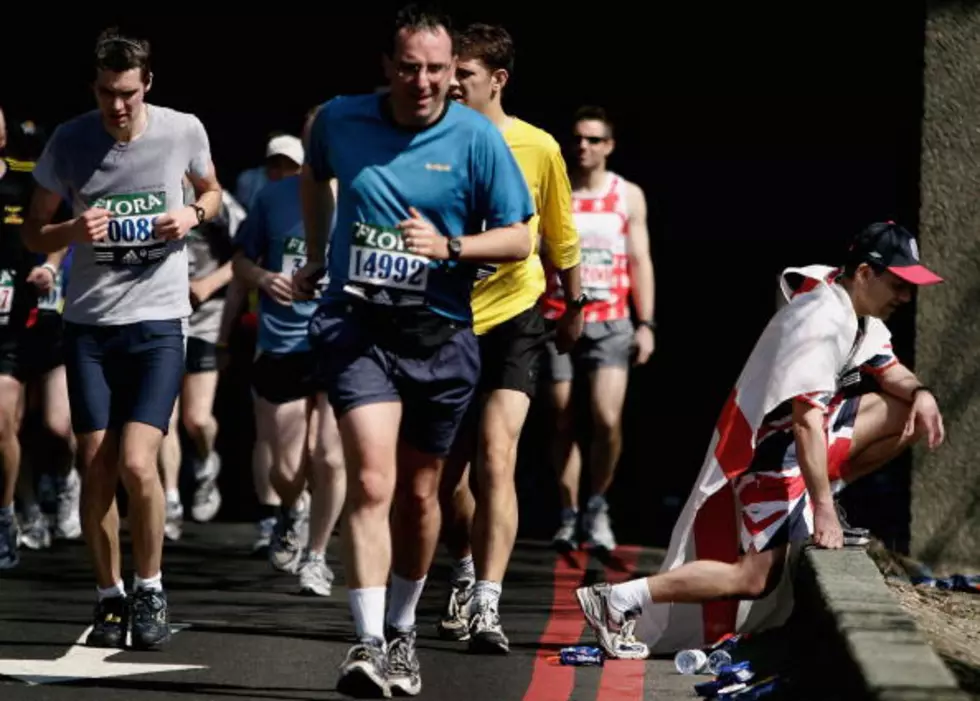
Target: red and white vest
point(602, 221)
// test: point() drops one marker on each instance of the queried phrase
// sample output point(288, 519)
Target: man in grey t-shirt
point(121, 167)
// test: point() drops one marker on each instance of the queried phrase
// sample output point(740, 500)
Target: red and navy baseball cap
point(889, 246)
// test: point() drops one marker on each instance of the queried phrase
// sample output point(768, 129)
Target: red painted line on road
point(622, 680)
point(549, 680)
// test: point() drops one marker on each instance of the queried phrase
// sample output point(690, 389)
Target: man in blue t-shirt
point(288, 408)
point(428, 188)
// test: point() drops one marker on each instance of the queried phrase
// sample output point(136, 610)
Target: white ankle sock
point(173, 496)
point(154, 583)
point(367, 606)
point(488, 591)
point(405, 595)
point(629, 596)
point(117, 589)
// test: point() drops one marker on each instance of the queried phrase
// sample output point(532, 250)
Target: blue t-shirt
point(458, 173)
point(272, 236)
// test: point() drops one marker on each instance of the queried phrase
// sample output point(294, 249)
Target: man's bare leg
point(567, 458)
point(326, 474)
point(197, 415)
point(286, 427)
point(169, 461)
point(269, 502)
point(495, 522)
point(608, 391)
point(11, 393)
point(57, 420)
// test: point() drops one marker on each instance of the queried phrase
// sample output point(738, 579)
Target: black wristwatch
point(649, 324)
point(579, 302)
point(199, 211)
point(455, 246)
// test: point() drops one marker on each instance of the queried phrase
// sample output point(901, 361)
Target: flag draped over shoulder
point(807, 345)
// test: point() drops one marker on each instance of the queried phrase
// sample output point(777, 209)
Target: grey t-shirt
point(130, 276)
point(208, 248)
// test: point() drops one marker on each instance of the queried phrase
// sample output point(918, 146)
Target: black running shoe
point(151, 620)
point(110, 623)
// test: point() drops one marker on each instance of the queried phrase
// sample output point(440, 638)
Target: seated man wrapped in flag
point(821, 402)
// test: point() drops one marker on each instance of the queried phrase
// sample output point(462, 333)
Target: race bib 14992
point(378, 257)
point(131, 240)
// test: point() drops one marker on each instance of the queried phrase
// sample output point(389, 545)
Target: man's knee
point(760, 573)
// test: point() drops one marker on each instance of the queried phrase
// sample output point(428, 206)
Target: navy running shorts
point(122, 374)
point(367, 355)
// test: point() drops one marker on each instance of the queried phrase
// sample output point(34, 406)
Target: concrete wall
point(946, 483)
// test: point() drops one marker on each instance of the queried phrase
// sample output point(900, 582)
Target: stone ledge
point(891, 658)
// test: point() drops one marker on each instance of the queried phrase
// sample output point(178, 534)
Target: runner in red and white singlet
point(610, 215)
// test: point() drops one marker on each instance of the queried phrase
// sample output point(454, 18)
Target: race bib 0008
point(378, 257)
point(131, 240)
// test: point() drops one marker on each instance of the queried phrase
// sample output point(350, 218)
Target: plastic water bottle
point(691, 661)
point(718, 659)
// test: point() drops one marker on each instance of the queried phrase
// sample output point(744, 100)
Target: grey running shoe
point(455, 621)
point(35, 533)
point(486, 635)
point(266, 529)
point(288, 541)
point(315, 576)
point(598, 528)
point(404, 672)
point(565, 537)
point(207, 496)
point(364, 672)
point(68, 523)
point(613, 631)
point(9, 557)
point(854, 537)
point(173, 527)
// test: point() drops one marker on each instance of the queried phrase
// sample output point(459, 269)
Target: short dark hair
point(117, 52)
point(488, 43)
point(593, 113)
point(417, 17)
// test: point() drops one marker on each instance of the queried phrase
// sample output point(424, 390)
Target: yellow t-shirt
point(516, 287)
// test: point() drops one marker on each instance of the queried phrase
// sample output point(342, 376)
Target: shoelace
point(400, 659)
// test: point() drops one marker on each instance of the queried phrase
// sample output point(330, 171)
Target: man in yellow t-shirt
point(512, 336)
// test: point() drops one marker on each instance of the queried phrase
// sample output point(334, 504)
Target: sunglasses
point(594, 140)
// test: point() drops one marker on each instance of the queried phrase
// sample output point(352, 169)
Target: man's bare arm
point(501, 245)
point(39, 234)
point(318, 203)
point(208, 192)
point(641, 265)
point(811, 453)
point(899, 382)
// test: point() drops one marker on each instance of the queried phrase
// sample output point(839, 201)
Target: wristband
point(922, 388)
point(51, 269)
point(649, 324)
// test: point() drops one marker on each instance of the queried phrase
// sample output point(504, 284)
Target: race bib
point(53, 301)
point(378, 257)
point(597, 272)
point(131, 240)
point(6, 293)
point(293, 256)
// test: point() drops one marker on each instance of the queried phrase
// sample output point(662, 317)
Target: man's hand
point(92, 225)
point(277, 286)
point(925, 415)
point(422, 239)
point(176, 224)
point(200, 292)
point(644, 342)
point(304, 280)
point(569, 329)
point(41, 278)
point(827, 531)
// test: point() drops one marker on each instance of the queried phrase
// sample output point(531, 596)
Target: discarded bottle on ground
point(691, 661)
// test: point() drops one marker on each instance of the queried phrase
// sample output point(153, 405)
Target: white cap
point(286, 145)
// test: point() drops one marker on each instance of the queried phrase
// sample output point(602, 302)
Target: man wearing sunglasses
point(610, 215)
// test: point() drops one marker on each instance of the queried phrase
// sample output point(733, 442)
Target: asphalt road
point(244, 633)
